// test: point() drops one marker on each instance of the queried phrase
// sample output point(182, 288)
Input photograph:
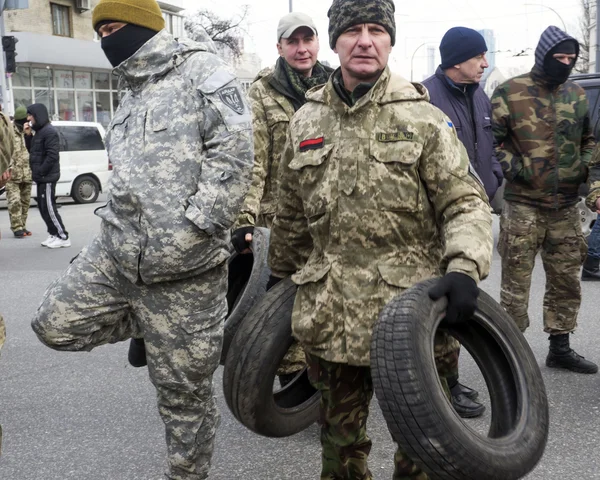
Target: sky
point(517, 25)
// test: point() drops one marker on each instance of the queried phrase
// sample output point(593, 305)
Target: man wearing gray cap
point(276, 94)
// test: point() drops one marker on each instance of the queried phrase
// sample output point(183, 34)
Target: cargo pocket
point(201, 339)
point(393, 176)
point(312, 323)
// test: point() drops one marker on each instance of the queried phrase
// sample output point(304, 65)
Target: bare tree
point(585, 21)
point(227, 33)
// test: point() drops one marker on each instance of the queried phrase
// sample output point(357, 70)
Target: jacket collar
point(388, 88)
point(457, 89)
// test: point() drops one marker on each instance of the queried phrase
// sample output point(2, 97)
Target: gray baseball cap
point(289, 23)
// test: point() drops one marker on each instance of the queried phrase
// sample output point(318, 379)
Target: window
point(74, 139)
point(173, 24)
point(61, 20)
point(21, 78)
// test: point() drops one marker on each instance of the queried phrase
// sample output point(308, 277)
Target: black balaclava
point(123, 43)
point(557, 72)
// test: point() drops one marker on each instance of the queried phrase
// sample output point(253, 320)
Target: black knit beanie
point(459, 44)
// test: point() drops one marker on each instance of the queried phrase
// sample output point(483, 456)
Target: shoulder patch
point(232, 97)
point(312, 144)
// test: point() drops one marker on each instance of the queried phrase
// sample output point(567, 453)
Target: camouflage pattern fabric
point(93, 304)
point(6, 142)
point(544, 140)
point(345, 13)
point(181, 148)
point(370, 209)
point(594, 180)
point(18, 197)
point(271, 113)
point(524, 230)
point(21, 171)
point(346, 393)
point(2, 340)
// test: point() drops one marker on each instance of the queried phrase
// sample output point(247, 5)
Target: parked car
point(84, 164)
point(590, 82)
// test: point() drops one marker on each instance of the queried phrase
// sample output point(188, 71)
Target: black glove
point(273, 281)
point(461, 292)
point(238, 238)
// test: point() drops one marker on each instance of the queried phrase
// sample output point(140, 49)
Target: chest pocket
point(117, 130)
point(393, 175)
point(317, 179)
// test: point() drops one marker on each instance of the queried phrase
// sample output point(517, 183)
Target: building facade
point(490, 41)
point(60, 62)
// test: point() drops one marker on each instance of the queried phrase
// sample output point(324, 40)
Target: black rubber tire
point(79, 184)
point(260, 343)
point(420, 417)
point(247, 283)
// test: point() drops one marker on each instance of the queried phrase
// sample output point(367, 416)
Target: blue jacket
point(470, 110)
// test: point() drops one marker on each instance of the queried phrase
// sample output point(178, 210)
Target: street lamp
point(545, 6)
point(291, 6)
point(413, 58)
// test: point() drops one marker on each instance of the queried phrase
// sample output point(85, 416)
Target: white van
point(84, 165)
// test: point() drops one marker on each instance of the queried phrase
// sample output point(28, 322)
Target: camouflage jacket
point(21, 171)
point(594, 179)
point(271, 113)
point(372, 199)
point(544, 138)
point(6, 143)
point(181, 148)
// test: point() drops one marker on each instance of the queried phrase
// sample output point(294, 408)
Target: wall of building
point(38, 18)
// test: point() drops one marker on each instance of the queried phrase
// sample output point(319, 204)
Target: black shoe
point(467, 408)
point(137, 353)
point(591, 269)
point(20, 234)
point(561, 355)
point(468, 392)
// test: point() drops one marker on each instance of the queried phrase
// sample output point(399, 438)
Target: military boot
point(591, 269)
point(137, 353)
point(561, 355)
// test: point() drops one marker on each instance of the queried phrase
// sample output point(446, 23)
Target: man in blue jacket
point(454, 89)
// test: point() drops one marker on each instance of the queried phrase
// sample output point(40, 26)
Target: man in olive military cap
point(375, 195)
point(158, 268)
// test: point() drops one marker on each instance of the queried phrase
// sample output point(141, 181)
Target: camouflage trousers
point(346, 393)
point(525, 230)
point(92, 304)
point(294, 359)
point(18, 196)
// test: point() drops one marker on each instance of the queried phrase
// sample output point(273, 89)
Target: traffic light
point(8, 45)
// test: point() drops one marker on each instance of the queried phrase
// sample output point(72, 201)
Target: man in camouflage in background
point(542, 127)
point(375, 195)
point(6, 152)
point(18, 189)
point(276, 94)
point(181, 148)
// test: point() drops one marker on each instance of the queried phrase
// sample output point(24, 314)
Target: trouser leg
point(518, 245)
point(563, 252)
point(85, 307)
point(52, 213)
point(13, 199)
point(182, 324)
point(25, 201)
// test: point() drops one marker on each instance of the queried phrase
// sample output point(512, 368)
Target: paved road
point(90, 416)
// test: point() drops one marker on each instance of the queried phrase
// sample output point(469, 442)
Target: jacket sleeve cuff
point(195, 215)
point(463, 265)
point(592, 198)
point(244, 219)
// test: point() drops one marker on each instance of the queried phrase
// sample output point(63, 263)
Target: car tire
point(421, 418)
point(85, 189)
point(247, 283)
point(260, 343)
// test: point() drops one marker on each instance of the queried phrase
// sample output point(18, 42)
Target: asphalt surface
point(90, 416)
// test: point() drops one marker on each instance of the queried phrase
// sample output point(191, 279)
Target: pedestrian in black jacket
point(43, 149)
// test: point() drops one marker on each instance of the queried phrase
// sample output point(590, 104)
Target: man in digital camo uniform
point(276, 94)
point(6, 153)
point(158, 268)
point(18, 189)
point(375, 195)
point(542, 127)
